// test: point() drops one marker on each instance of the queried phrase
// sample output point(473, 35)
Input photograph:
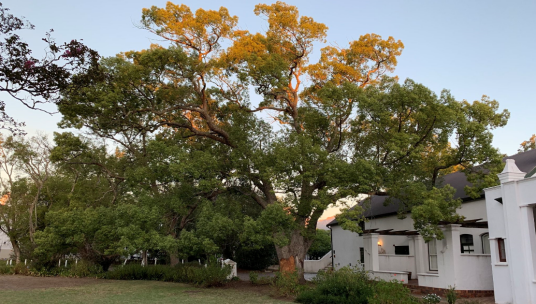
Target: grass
point(135, 292)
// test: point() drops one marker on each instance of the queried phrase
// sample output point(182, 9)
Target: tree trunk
point(173, 259)
point(144, 257)
point(291, 257)
point(16, 250)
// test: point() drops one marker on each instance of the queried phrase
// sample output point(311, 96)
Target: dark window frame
point(502, 250)
point(470, 245)
point(401, 250)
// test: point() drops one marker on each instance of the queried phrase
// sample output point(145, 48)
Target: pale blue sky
point(469, 47)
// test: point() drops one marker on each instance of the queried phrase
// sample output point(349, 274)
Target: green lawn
point(134, 292)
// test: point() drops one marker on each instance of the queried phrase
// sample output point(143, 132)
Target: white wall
point(313, 266)
point(474, 210)
point(389, 276)
point(346, 246)
point(400, 263)
point(7, 249)
point(474, 272)
point(391, 222)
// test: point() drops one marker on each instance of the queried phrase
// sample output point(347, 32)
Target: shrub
point(352, 285)
point(347, 285)
point(253, 277)
point(84, 269)
point(431, 298)
point(20, 268)
point(392, 292)
point(451, 295)
point(212, 275)
point(287, 283)
point(4, 269)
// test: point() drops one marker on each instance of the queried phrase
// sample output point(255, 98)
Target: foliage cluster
point(4, 269)
point(81, 269)
point(287, 284)
point(210, 276)
point(350, 285)
point(256, 259)
point(321, 244)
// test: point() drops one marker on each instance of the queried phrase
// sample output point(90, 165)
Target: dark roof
point(525, 161)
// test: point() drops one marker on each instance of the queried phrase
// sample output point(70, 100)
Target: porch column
point(417, 248)
point(370, 244)
point(448, 254)
point(517, 239)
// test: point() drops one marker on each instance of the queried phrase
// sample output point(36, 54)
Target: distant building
point(6, 250)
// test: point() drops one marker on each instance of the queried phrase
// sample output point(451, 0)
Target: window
point(502, 250)
point(432, 255)
point(362, 254)
point(402, 250)
point(467, 245)
point(485, 243)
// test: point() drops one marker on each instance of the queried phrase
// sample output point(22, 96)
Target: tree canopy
point(343, 127)
point(202, 169)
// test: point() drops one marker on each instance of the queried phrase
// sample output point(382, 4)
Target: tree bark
point(291, 257)
point(173, 259)
point(16, 250)
point(144, 257)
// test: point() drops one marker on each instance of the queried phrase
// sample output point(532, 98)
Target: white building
point(6, 250)
point(512, 234)
point(390, 248)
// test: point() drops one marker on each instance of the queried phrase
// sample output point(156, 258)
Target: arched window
point(467, 244)
point(485, 243)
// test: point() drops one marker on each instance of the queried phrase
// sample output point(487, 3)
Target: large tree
point(342, 128)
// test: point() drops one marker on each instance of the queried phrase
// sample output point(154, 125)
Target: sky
point(472, 48)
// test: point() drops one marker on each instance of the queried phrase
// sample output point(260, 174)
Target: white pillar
point(417, 248)
point(518, 250)
point(372, 258)
point(448, 255)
